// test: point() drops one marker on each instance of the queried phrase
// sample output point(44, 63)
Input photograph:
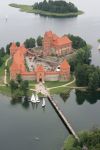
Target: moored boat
point(43, 104)
point(37, 99)
point(33, 100)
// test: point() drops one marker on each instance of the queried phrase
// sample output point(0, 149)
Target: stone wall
point(29, 77)
point(52, 77)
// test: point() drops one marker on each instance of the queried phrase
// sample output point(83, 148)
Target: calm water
point(21, 123)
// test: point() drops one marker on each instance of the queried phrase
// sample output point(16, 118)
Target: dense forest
point(88, 141)
point(77, 42)
point(56, 6)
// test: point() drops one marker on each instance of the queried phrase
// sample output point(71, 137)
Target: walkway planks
point(63, 118)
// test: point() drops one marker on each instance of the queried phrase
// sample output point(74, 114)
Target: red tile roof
point(64, 64)
point(58, 40)
point(39, 68)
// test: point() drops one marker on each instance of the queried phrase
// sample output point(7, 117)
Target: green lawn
point(60, 90)
point(3, 65)
point(50, 84)
point(5, 90)
point(29, 9)
point(99, 40)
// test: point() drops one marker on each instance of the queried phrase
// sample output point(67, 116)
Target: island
point(47, 59)
point(50, 8)
point(58, 62)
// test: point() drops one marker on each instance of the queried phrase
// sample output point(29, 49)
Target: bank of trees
point(88, 75)
point(19, 87)
point(32, 42)
point(56, 6)
point(89, 140)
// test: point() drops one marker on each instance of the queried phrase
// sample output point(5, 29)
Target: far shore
point(29, 9)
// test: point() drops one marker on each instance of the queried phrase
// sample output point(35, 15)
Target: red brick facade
point(18, 66)
point(52, 44)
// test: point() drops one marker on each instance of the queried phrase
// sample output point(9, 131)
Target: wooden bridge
point(63, 118)
point(41, 88)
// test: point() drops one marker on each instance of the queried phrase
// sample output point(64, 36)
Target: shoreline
point(29, 9)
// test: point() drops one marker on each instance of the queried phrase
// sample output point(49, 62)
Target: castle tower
point(47, 43)
point(40, 73)
point(64, 70)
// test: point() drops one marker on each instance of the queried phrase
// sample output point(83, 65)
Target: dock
point(63, 118)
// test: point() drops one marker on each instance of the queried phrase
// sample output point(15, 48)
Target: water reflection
point(25, 103)
point(90, 97)
point(65, 96)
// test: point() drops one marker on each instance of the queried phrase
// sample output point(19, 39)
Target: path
point(5, 76)
point(64, 85)
point(40, 88)
point(63, 118)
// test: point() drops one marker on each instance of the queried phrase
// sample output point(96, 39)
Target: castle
point(52, 44)
point(41, 70)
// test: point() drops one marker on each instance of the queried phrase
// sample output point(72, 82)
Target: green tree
point(18, 44)
point(13, 86)
point(39, 41)
point(8, 48)
point(77, 42)
point(25, 87)
point(83, 55)
point(2, 52)
point(81, 75)
point(30, 43)
point(94, 81)
point(19, 79)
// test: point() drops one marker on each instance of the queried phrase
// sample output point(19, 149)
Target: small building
point(55, 45)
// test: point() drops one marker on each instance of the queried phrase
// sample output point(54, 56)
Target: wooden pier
point(63, 118)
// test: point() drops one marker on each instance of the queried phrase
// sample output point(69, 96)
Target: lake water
point(22, 123)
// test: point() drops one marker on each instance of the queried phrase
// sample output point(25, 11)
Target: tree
point(94, 81)
point(19, 79)
point(83, 55)
point(81, 75)
point(1, 61)
point(24, 87)
point(55, 6)
point(18, 44)
point(39, 41)
point(2, 52)
point(30, 43)
point(77, 42)
point(8, 48)
point(13, 86)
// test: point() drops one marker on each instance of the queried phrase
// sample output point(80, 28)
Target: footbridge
point(63, 118)
point(41, 88)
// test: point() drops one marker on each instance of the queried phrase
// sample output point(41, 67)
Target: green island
point(50, 8)
point(99, 40)
point(79, 61)
point(89, 140)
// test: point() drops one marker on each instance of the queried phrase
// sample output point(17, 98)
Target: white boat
point(33, 100)
point(43, 104)
point(37, 99)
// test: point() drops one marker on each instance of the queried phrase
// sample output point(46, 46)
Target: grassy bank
point(2, 68)
point(99, 40)
point(5, 90)
point(29, 9)
point(89, 139)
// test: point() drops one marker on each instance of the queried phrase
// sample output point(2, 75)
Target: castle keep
point(52, 44)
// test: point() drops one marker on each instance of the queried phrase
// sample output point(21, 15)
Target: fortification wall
point(29, 77)
point(52, 77)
